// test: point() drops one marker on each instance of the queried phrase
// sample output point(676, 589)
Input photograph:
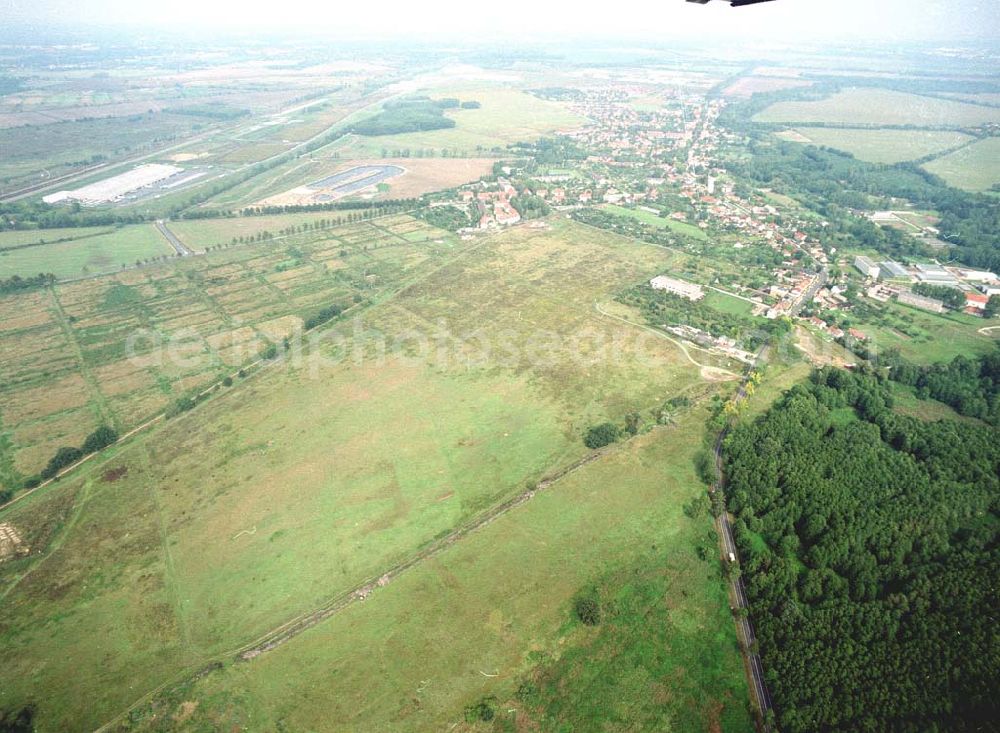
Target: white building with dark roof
point(691, 291)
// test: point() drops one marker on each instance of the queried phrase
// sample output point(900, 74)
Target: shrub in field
point(63, 457)
point(588, 610)
point(601, 435)
point(484, 710)
point(181, 404)
point(322, 316)
point(100, 438)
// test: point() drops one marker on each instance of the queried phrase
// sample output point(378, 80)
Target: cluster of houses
point(493, 203)
point(719, 344)
point(627, 132)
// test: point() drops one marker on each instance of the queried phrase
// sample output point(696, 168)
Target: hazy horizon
point(835, 21)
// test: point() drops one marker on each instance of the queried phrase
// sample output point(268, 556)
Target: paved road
point(729, 547)
point(177, 244)
point(725, 528)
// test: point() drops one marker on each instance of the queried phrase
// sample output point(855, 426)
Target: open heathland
point(450, 394)
point(492, 617)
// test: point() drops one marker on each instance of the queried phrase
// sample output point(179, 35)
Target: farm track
point(706, 369)
point(290, 629)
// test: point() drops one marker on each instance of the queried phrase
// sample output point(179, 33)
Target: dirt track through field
point(293, 628)
point(290, 629)
point(708, 373)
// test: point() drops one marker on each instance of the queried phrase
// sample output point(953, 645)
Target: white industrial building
point(867, 267)
point(691, 291)
point(935, 275)
point(984, 276)
point(893, 270)
point(114, 188)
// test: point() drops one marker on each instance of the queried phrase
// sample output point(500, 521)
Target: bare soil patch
point(113, 474)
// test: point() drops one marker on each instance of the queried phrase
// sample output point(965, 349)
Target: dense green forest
point(871, 561)
point(408, 115)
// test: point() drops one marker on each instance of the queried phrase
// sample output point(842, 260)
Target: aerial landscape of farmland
point(584, 380)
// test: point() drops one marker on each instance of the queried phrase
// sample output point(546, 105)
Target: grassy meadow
point(728, 304)
point(647, 217)
point(85, 255)
point(491, 617)
point(864, 106)
point(974, 168)
point(884, 146)
point(932, 337)
point(14, 238)
point(312, 477)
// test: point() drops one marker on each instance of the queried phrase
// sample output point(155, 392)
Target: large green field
point(881, 107)
point(85, 255)
point(200, 535)
point(647, 217)
point(492, 617)
point(201, 233)
point(933, 337)
point(884, 146)
point(505, 116)
point(728, 303)
point(975, 168)
point(17, 237)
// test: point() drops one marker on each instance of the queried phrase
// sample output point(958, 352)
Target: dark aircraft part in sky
point(733, 3)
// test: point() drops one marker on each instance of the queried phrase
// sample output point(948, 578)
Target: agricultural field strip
point(146, 319)
point(97, 397)
point(255, 367)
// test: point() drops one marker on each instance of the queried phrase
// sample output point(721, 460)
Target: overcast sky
point(782, 19)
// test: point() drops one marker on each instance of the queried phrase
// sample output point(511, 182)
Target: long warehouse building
point(114, 188)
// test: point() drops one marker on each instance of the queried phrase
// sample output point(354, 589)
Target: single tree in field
point(601, 435)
